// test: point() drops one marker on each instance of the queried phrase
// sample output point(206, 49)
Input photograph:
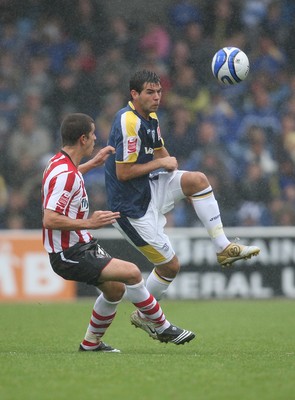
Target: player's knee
point(113, 291)
point(134, 275)
point(201, 179)
point(169, 270)
point(193, 182)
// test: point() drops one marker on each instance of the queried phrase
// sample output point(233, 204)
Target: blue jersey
point(135, 140)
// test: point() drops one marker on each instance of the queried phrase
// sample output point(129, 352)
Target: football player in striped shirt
point(75, 255)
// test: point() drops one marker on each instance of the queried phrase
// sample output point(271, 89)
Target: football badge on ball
point(230, 65)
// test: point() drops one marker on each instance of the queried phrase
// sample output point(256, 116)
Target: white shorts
point(147, 233)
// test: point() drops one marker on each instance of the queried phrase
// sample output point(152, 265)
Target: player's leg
point(114, 277)
point(83, 263)
point(147, 235)
point(103, 313)
point(162, 276)
point(196, 186)
point(148, 309)
point(110, 276)
point(95, 261)
point(150, 317)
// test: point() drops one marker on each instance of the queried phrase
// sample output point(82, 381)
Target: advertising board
point(25, 272)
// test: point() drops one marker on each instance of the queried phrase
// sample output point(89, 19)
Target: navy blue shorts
point(82, 262)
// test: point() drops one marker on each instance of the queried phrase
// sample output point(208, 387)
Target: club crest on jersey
point(84, 204)
point(62, 201)
point(153, 133)
point(131, 144)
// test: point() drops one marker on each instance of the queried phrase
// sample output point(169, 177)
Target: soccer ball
point(230, 65)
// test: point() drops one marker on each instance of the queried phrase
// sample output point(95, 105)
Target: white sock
point(207, 210)
point(102, 316)
point(157, 285)
point(147, 305)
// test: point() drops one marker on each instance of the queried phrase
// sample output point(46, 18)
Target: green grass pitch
point(244, 350)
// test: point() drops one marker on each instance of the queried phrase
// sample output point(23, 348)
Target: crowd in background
point(73, 56)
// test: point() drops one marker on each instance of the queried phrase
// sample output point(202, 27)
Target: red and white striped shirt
point(63, 191)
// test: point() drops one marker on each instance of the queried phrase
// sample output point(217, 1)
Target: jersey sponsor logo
point(84, 204)
point(131, 144)
point(159, 133)
point(63, 201)
point(149, 150)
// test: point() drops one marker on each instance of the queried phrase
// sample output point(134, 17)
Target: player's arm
point(98, 160)
point(56, 221)
point(161, 152)
point(131, 170)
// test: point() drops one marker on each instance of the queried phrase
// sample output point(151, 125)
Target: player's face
point(148, 100)
point(90, 141)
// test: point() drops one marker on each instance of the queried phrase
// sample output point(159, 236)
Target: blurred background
point(63, 56)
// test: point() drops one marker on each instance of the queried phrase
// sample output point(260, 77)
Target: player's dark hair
point(141, 77)
point(73, 126)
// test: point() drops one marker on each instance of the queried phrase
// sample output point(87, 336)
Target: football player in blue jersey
point(143, 183)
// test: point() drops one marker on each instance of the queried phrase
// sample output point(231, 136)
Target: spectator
point(255, 194)
point(226, 119)
point(252, 14)
point(275, 22)
point(38, 75)
point(70, 56)
point(269, 58)
point(182, 13)
point(255, 185)
point(10, 70)
point(55, 44)
point(87, 19)
point(9, 101)
point(285, 146)
point(111, 71)
point(33, 101)
point(258, 152)
point(222, 18)
point(28, 143)
point(188, 92)
point(201, 50)
point(123, 34)
point(208, 146)
point(252, 214)
point(260, 112)
point(180, 56)
point(157, 39)
point(180, 137)
point(282, 213)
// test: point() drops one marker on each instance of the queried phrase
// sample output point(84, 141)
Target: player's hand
point(169, 163)
point(100, 158)
point(97, 160)
point(102, 218)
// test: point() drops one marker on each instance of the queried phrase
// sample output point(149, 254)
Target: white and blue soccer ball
point(230, 65)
